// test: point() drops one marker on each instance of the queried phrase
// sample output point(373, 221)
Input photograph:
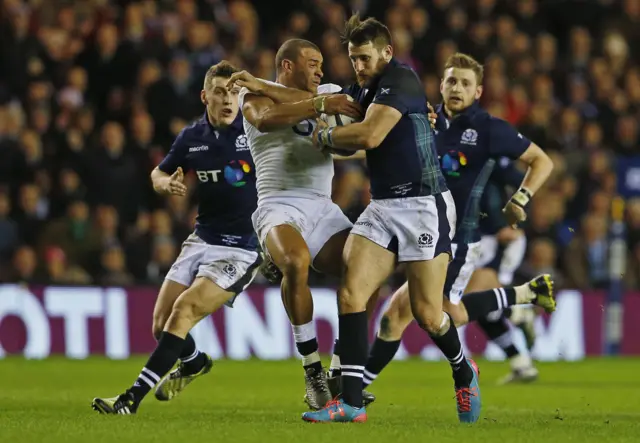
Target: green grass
point(255, 401)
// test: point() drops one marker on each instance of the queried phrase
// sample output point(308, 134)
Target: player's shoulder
point(399, 72)
point(194, 130)
point(500, 126)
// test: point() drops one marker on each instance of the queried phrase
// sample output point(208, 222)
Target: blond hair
point(464, 61)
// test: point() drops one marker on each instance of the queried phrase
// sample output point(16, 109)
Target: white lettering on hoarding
point(75, 306)
point(19, 301)
point(563, 339)
point(206, 338)
point(247, 331)
point(116, 324)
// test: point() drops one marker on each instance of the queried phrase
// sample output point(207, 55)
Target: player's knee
point(159, 320)
point(394, 321)
point(187, 309)
point(350, 301)
point(157, 328)
point(428, 317)
point(457, 312)
point(392, 327)
point(295, 265)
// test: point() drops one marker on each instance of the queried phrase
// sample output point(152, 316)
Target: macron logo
point(199, 148)
point(384, 90)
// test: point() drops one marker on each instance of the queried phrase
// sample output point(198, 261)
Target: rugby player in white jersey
point(297, 223)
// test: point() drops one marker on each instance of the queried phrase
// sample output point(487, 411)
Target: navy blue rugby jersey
point(226, 191)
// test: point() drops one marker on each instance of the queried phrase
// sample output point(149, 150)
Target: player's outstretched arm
point(277, 93)
point(368, 134)
point(266, 115)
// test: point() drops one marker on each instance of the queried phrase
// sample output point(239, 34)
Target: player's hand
point(342, 104)
point(433, 117)
point(174, 185)
point(514, 214)
point(246, 80)
point(320, 124)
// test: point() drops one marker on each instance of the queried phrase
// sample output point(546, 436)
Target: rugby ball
point(339, 120)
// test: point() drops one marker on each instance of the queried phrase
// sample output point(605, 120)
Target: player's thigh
point(178, 279)
point(482, 279)
point(327, 238)
point(203, 298)
point(282, 227)
point(397, 316)
point(169, 293)
point(329, 259)
point(426, 280)
point(367, 266)
point(287, 249)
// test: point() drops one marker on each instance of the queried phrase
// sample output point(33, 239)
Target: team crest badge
point(469, 137)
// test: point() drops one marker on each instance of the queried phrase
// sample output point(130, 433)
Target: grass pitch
point(257, 401)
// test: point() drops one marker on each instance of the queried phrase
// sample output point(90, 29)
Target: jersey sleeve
point(244, 91)
point(241, 96)
point(176, 156)
point(329, 88)
point(399, 88)
point(505, 140)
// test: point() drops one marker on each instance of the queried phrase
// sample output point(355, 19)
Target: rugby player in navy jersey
point(411, 217)
point(470, 142)
point(218, 260)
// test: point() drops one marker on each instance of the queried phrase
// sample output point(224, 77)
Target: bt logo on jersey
point(211, 175)
point(234, 173)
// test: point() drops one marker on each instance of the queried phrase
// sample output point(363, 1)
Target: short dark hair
point(291, 49)
point(464, 61)
point(223, 69)
point(360, 32)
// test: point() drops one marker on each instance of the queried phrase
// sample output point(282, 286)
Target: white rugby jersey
point(286, 159)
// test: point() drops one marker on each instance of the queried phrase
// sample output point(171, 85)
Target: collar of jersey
point(237, 123)
point(466, 114)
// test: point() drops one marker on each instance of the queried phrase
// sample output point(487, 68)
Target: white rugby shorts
point(233, 269)
point(416, 228)
point(316, 218)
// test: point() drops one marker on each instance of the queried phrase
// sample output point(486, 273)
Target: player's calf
point(426, 283)
point(202, 298)
point(538, 291)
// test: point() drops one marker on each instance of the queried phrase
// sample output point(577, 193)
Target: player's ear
point(287, 65)
point(387, 53)
point(203, 97)
point(478, 92)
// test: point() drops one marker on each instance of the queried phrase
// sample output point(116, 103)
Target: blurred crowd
point(92, 94)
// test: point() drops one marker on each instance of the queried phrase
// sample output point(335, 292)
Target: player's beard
point(365, 82)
